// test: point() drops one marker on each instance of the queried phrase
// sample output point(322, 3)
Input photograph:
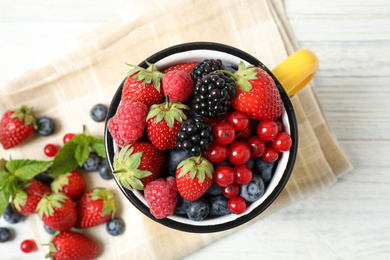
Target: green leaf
point(65, 160)
point(2, 164)
point(97, 144)
point(80, 139)
point(81, 154)
point(4, 199)
point(26, 169)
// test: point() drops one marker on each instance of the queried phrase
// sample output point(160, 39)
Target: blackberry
point(195, 136)
point(205, 67)
point(213, 93)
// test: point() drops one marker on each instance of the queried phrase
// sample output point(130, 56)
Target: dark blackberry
point(195, 136)
point(213, 93)
point(205, 67)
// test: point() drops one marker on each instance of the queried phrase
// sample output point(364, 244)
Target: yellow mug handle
point(296, 71)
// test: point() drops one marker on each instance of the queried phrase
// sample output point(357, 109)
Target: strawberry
point(143, 85)
point(138, 164)
point(186, 67)
point(16, 126)
point(194, 177)
point(26, 202)
point(57, 211)
point(95, 207)
point(178, 85)
point(72, 184)
point(163, 122)
point(72, 245)
point(257, 94)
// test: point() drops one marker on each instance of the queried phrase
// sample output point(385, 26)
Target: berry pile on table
point(201, 140)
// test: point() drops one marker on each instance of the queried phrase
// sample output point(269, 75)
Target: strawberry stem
point(229, 73)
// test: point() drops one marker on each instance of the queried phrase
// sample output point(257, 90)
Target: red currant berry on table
point(239, 120)
point(51, 150)
point(223, 175)
point(257, 146)
point(244, 134)
point(242, 174)
point(217, 153)
point(231, 190)
point(239, 153)
point(68, 137)
point(282, 142)
point(270, 155)
point(224, 133)
point(28, 246)
point(236, 205)
point(267, 130)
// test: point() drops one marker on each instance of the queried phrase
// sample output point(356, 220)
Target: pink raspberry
point(178, 85)
point(131, 120)
point(161, 195)
point(113, 127)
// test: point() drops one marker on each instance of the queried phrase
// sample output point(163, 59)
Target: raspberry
point(113, 127)
point(161, 195)
point(178, 85)
point(131, 120)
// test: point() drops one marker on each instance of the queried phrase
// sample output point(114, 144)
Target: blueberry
point(115, 226)
point(11, 216)
point(5, 234)
point(264, 169)
point(46, 126)
point(92, 162)
point(218, 205)
point(98, 112)
point(253, 190)
point(49, 230)
point(198, 210)
point(44, 177)
point(231, 69)
point(174, 157)
point(250, 163)
point(181, 205)
point(225, 162)
point(215, 189)
point(105, 170)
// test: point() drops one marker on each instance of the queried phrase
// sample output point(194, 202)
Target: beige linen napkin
point(91, 70)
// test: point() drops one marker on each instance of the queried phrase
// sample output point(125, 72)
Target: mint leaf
point(65, 160)
point(97, 145)
point(80, 139)
point(4, 198)
point(81, 154)
point(26, 169)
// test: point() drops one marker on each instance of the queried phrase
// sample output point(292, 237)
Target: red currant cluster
point(236, 142)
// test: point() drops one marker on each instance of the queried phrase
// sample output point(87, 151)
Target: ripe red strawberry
point(72, 245)
point(95, 207)
point(178, 85)
point(57, 211)
point(163, 122)
point(194, 177)
point(72, 184)
point(186, 67)
point(257, 95)
point(26, 202)
point(16, 126)
point(161, 195)
point(143, 85)
point(138, 164)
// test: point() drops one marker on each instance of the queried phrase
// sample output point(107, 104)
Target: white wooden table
point(350, 220)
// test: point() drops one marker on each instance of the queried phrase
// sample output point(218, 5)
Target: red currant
point(280, 125)
point(270, 155)
point(257, 146)
point(28, 246)
point(236, 205)
point(211, 121)
point(223, 175)
point(267, 129)
point(217, 153)
point(231, 190)
point(282, 142)
point(51, 150)
point(239, 153)
point(244, 134)
point(242, 174)
point(68, 137)
point(239, 120)
point(224, 133)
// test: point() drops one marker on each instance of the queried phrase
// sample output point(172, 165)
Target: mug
point(290, 76)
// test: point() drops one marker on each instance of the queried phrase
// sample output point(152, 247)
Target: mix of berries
point(209, 148)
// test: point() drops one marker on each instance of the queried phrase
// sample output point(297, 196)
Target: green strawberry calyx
point(149, 75)
point(126, 165)
point(197, 167)
point(243, 75)
point(52, 247)
point(169, 112)
point(24, 115)
point(109, 205)
point(59, 182)
point(48, 202)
